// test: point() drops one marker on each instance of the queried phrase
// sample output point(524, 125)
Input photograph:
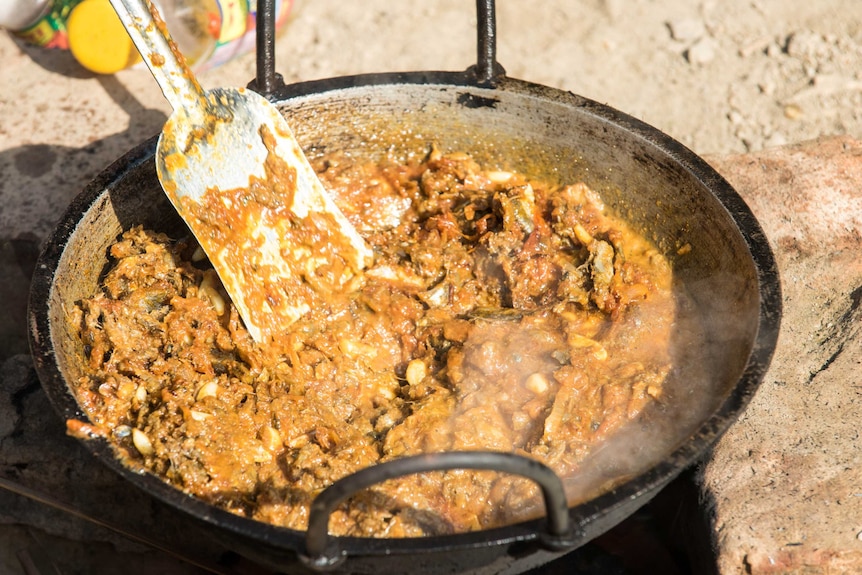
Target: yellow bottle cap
point(98, 40)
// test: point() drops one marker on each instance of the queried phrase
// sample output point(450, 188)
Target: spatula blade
point(273, 234)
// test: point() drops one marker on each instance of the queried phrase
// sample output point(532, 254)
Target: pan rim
point(585, 516)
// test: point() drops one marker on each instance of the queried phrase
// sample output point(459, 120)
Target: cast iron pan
point(722, 264)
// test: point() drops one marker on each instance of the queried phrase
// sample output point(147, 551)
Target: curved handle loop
point(486, 72)
point(322, 551)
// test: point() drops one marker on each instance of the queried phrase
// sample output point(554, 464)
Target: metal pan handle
point(322, 551)
point(486, 72)
point(267, 81)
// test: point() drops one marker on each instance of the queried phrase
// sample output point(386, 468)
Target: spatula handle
point(161, 55)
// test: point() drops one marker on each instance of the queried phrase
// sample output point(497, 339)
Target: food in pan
point(501, 313)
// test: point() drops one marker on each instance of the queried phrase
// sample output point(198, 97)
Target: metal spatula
point(233, 170)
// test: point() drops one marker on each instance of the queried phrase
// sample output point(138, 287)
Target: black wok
point(722, 263)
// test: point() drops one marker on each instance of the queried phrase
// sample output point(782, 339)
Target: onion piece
point(142, 442)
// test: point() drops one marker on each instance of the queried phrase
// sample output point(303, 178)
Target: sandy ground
point(721, 77)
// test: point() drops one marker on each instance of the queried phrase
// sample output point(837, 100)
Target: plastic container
point(98, 40)
point(207, 32)
point(39, 22)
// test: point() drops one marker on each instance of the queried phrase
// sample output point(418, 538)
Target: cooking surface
point(723, 78)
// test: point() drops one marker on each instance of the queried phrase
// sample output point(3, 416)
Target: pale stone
point(785, 483)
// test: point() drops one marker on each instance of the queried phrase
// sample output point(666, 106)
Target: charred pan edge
point(42, 284)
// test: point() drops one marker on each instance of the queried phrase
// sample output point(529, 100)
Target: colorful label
point(233, 19)
point(50, 30)
point(238, 25)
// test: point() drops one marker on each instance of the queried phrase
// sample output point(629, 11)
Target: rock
point(614, 8)
point(806, 46)
point(774, 50)
point(793, 111)
point(784, 483)
point(775, 140)
point(766, 87)
point(686, 29)
point(702, 52)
